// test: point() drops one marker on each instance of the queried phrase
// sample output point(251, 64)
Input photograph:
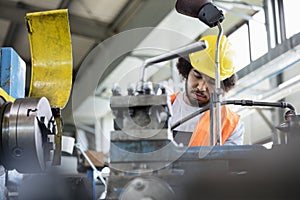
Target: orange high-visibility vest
point(201, 134)
point(173, 97)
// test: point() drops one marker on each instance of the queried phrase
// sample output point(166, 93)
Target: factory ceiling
point(91, 21)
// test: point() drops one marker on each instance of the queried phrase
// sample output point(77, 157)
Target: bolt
point(139, 185)
point(17, 152)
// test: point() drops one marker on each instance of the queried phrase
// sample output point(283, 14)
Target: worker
point(198, 70)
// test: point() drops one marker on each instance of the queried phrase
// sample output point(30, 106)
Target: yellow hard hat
point(204, 61)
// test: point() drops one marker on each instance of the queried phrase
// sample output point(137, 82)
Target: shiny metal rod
point(218, 89)
point(197, 46)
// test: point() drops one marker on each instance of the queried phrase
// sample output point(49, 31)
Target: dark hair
point(184, 67)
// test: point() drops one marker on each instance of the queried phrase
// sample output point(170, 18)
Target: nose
point(202, 86)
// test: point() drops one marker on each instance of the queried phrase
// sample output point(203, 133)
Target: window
point(240, 43)
point(291, 20)
point(250, 41)
point(258, 35)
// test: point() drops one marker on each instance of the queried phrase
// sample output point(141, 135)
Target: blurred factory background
point(265, 34)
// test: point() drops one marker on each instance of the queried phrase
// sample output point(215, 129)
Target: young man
point(199, 73)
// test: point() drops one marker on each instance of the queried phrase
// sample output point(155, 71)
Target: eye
point(197, 74)
point(211, 81)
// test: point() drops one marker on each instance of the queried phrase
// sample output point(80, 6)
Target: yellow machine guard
point(51, 56)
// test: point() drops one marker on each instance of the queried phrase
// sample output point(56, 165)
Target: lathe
point(146, 163)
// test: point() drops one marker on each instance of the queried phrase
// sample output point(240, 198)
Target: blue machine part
point(13, 73)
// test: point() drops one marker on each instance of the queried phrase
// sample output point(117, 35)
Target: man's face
point(198, 88)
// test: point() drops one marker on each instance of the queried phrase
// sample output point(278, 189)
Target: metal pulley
point(26, 126)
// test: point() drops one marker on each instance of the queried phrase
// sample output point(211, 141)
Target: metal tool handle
point(197, 46)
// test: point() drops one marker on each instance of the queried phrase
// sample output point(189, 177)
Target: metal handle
point(197, 46)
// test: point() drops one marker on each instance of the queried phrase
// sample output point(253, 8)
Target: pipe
point(218, 89)
point(236, 102)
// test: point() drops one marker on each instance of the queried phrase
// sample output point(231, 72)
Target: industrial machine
point(146, 163)
point(31, 124)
